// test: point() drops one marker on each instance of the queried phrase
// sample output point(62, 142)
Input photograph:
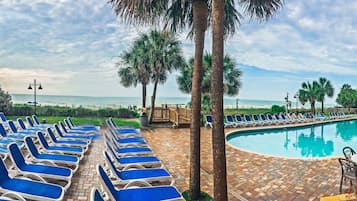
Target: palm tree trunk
point(200, 15)
point(322, 106)
point(313, 108)
point(153, 98)
point(218, 136)
point(143, 104)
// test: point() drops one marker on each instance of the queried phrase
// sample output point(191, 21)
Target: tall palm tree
point(164, 53)
point(180, 14)
point(309, 93)
point(262, 10)
point(135, 68)
point(325, 89)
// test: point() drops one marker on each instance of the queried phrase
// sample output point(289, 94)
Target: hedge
point(25, 110)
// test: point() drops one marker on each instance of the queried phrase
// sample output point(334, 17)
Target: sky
point(72, 47)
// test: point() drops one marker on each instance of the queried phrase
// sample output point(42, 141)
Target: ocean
point(117, 102)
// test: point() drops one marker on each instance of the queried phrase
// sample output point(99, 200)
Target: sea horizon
point(96, 102)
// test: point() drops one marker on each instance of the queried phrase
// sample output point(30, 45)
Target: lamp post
point(34, 86)
point(296, 96)
point(287, 102)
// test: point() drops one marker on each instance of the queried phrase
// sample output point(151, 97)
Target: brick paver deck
point(250, 176)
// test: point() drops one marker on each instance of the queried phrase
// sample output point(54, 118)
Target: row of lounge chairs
point(53, 155)
point(133, 172)
point(270, 119)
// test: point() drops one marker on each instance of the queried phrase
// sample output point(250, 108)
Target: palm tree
point(309, 93)
point(325, 89)
point(164, 53)
point(181, 14)
point(255, 8)
point(135, 68)
point(231, 77)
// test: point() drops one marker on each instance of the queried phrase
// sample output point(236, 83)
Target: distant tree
point(324, 89)
point(5, 101)
point(277, 109)
point(231, 78)
point(135, 68)
point(309, 93)
point(347, 97)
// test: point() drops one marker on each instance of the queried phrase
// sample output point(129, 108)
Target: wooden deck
point(178, 116)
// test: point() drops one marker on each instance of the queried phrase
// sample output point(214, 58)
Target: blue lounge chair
point(95, 195)
point(239, 120)
point(122, 132)
point(14, 130)
point(280, 119)
point(74, 143)
point(44, 171)
point(37, 122)
point(122, 152)
point(12, 137)
point(249, 121)
point(76, 132)
point(73, 137)
point(258, 121)
point(274, 121)
point(78, 151)
point(5, 141)
point(80, 128)
point(208, 121)
point(148, 175)
point(265, 120)
point(150, 193)
point(60, 159)
point(134, 161)
point(286, 119)
point(4, 120)
point(29, 189)
point(22, 125)
point(230, 121)
point(31, 124)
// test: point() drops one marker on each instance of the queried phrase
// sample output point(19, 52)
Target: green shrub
point(203, 196)
point(277, 109)
point(5, 101)
point(26, 110)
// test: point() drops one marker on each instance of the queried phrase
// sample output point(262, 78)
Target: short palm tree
point(325, 89)
point(164, 55)
point(134, 67)
point(309, 93)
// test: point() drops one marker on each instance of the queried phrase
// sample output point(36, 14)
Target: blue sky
point(71, 47)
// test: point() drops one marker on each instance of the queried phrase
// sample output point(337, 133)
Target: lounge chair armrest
point(32, 177)
point(12, 195)
point(133, 166)
point(137, 183)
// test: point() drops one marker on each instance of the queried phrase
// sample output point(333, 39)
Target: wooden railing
point(179, 116)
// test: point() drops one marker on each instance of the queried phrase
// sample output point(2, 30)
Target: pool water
point(315, 141)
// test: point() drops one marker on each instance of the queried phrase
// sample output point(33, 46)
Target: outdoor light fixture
point(34, 86)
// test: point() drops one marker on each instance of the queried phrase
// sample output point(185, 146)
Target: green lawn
point(84, 120)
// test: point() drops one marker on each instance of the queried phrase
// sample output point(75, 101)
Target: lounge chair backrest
point(2, 131)
point(96, 196)
point(42, 139)
point(62, 126)
point(112, 122)
point(247, 117)
point(111, 164)
point(209, 118)
point(58, 130)
point(21, 123)
point(67, 123)
point(238, 118)
point(4, 174)
point(229, 118)
point(347, 167)
point(283, 116)
point(51, 134)
point(31, 147)
point(110, 148)
point(262, 116)
point(29, 121)
point(12, 126)
point(276, 116)
point(2, 117)
point(36, 119)
point(16, 155)
point(348, 152)
point(255, 117)
point(106, 183)
point(70, 121)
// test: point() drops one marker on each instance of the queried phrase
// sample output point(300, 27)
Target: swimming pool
point(314, 141)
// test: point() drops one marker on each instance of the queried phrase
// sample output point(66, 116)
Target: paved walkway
point(250, 176)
